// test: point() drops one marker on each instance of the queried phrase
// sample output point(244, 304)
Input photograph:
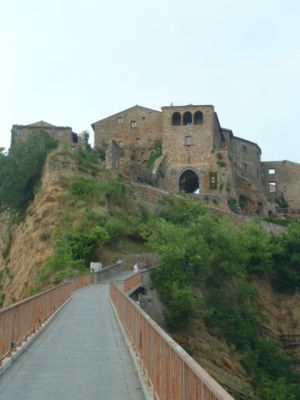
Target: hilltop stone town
point(184, 148)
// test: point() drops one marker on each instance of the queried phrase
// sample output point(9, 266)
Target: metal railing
point(132, 282)
point(20, 320)
point(81, 281)
point(171, 372)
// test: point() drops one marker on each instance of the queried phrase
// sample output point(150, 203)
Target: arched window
point(187, 118)
point(189, 182)
point(176, 119)
point(198, 118)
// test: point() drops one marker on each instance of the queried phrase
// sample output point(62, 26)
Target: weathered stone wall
point(120, 127)
point(286, 179)
point(246, 155)
point(62, 134)
point(198, 152)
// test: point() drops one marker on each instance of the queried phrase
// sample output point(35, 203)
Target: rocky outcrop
point(30, 242)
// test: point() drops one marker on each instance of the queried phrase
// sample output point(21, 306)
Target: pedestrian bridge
point(94, 343)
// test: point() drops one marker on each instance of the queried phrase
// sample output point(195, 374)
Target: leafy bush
point(232, 204)
point(153, 157)
point(89, 155)
point(205, 265)
point(286, 259)
point(93, 190)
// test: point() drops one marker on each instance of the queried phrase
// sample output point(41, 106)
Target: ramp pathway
point(81, 355)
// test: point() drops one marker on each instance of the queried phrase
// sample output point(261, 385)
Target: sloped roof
point(41, 124)
point(124, 111)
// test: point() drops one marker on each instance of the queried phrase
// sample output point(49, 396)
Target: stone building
point(63, 134)
point(197, 156)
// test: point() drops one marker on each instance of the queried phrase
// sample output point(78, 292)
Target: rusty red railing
point(20, 320)
point(81, 281)
point(132, 282)
point(172, 373)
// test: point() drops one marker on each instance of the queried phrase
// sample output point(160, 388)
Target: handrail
point(20, 320)
point(173, 374)
point(132, 281)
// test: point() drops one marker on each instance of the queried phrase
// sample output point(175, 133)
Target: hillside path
point(81, 355)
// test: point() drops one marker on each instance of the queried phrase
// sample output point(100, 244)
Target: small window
point(258, 173)
point(121, 143)
point(244, 149)
point(244, 167)
point(188, 140)
point(272, 187)
point(19, 132)
point(187, 118)
point(176, 119)
point(198, 118)
point(213, 182)
point(138, 141)
point(133, 124)
point(120, 120)
point(271, 171)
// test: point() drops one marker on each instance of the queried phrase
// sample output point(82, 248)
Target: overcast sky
point(73, 62)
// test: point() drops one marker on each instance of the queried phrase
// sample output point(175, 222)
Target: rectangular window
point(244, 149)
point(138, 141)
point(188, 140)
point(133, 124)
point(272, 187)
point(121, 143)
point(213, 180)
point(271, 171)
point(120, 120)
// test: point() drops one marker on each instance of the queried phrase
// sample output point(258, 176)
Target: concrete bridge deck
point(80, 355)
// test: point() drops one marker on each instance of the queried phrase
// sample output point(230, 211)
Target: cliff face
point(283, 318)
point(32, 239)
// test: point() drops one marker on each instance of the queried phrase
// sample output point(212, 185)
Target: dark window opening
point(176, 119)
point(189, 182)
point(74, 137)
point(244, 149)
point(187, 118)
point(198, 118)
point(213, 180)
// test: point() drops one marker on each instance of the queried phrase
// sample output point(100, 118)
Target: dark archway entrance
point(189, 182)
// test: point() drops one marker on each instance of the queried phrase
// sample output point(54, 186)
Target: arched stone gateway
point(189, 181)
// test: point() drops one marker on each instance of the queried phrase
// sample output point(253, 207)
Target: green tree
point(21, 169)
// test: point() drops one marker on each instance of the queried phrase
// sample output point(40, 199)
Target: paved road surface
point(81, 355)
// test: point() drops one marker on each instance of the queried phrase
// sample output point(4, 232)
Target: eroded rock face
point(283, 318)
point(32, 239)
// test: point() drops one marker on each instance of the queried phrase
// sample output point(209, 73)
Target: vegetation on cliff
point(207, 264)
point(21, 169)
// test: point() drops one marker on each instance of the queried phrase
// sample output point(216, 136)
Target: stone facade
point(281, 180)
point(64, 134)
point(197, 156)
point(139, 126)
